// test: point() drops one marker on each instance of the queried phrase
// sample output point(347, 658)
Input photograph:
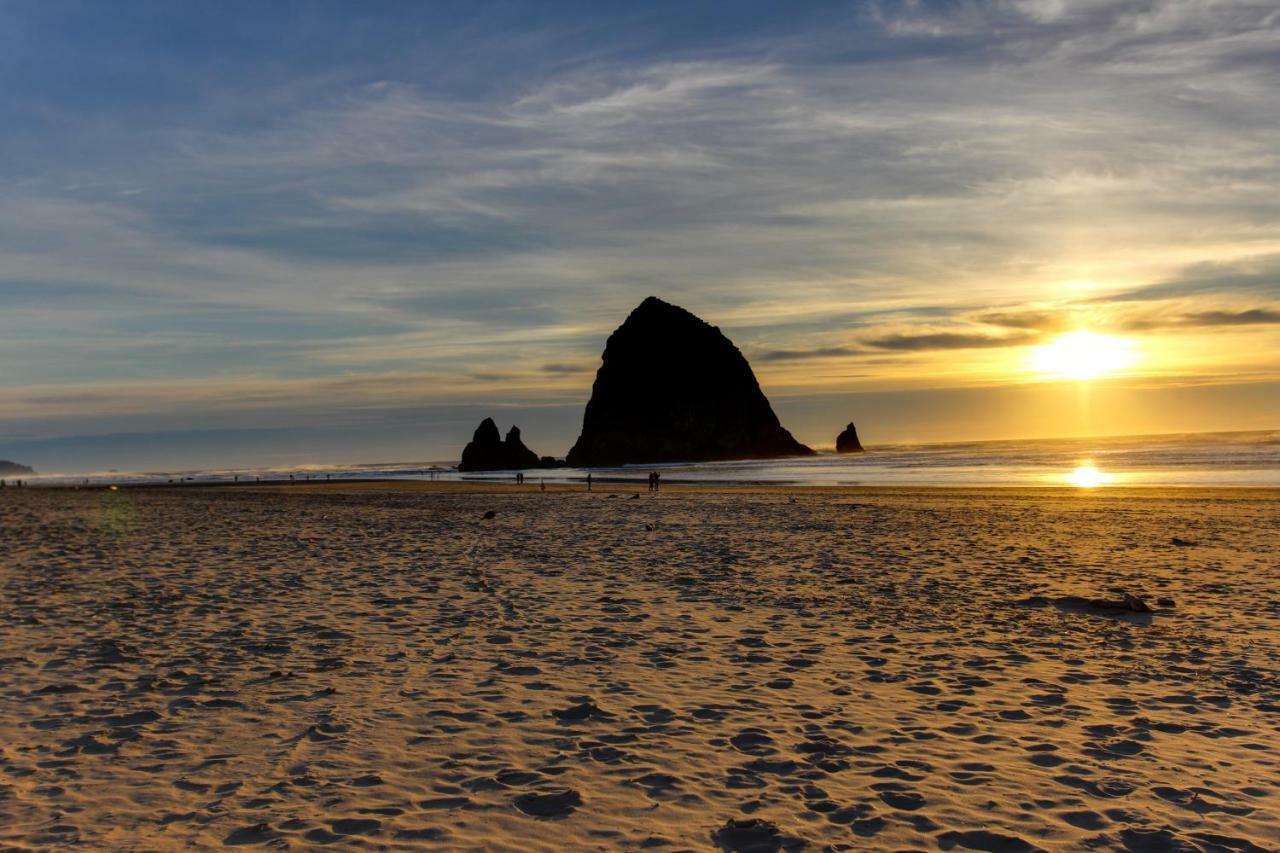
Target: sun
point(1083, 355)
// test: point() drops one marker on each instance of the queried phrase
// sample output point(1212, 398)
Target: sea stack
point(487, 452)
point(673, 388)
point(847, 441)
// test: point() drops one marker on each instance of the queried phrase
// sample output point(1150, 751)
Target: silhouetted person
point(657, 480)
point(588, 482)
point(542, 485)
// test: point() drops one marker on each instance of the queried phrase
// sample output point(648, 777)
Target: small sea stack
point(847, 441)
point(487, 451)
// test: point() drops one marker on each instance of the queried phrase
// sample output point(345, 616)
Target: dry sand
point(383, 668)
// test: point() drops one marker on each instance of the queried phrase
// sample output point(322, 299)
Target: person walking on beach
point(657, 480)
point(588, 482)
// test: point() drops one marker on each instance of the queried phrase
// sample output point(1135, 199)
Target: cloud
point(1032, 320)
point(1251, 317)
point(950, 341)
point(806, 354)
point(1253, 275)
point(1205, 319)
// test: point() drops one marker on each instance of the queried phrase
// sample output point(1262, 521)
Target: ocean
point(1202, 459)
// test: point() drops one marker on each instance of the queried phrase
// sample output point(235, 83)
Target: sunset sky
point(275, 233)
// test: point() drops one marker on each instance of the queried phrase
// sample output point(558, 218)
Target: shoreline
point(500, 487)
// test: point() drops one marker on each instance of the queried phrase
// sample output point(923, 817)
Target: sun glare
point(1083, 355)
point(1087, 476)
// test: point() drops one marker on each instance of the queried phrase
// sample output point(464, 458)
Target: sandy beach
point(382, 667)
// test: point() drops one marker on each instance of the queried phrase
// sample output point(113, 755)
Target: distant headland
point(10, 469)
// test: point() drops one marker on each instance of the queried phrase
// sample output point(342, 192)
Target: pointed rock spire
point(847, 441)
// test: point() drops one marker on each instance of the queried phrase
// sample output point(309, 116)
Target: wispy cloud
point(1205, 320)
point(807, 354)
point(950, 341)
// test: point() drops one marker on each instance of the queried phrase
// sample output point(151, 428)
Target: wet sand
point(380, 666)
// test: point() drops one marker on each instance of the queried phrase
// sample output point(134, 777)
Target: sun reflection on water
point(1087, 476)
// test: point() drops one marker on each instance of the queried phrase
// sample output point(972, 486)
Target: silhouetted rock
point(9, 469)
point(488, 452)
point(518, 455)
point(673, 388)
point(847, 441)
point(485, 451)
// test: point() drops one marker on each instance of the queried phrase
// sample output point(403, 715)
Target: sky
point(245, 233)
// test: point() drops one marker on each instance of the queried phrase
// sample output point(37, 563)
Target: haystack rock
point(673, 388)
point(488, 452)
point(847, 441)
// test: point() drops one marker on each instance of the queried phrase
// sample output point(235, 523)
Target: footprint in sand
point(754, 835)
point(355, 826)
point(753, 742)
point(583, 711)
point(992, 842)
point(656, 784)
point(907, 801)
point(259, 833)
point(444, 803)
point(557, 804)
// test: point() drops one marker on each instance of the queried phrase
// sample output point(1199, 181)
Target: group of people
point(655, 480)
point(17, 483)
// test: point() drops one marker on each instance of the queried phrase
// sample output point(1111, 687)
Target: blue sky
point(356, 226)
